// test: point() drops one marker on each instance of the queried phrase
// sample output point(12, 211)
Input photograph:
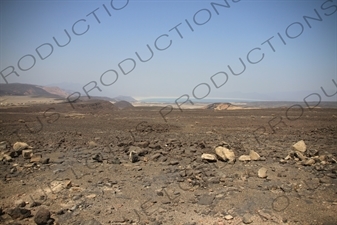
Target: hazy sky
point(299, 55)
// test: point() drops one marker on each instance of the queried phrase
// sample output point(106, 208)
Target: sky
point(196, 47)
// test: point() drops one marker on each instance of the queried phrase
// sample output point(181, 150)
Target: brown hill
point(56, 91)
point(17, 89)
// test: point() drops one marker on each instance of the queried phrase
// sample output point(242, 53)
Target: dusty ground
point(89, 178)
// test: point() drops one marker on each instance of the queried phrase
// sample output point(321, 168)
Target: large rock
point(225, 154)
point(19, 213)
point(18, 146)
point(300, 146)
point(42, 216)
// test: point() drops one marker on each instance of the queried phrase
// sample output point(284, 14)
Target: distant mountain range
point(17, 89)
point(59, 92)
point(124, 98)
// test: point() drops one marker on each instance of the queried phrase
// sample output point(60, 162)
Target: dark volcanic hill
point(17, 89)
point(123, 105)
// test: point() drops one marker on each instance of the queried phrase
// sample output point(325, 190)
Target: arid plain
point(104, 163)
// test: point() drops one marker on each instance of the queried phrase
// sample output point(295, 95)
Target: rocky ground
point(96, 164)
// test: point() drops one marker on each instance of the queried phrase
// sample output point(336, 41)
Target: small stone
point(3, 145)
point(300, 146)
point(142, 152)
point(264, 215)
point(42, 216)
point(247, 218)
point(223, 178)
point(14, 154)
point(282, 161)
point(244, 158)
point(209, 157)
point(300, 156)
point(133, 156)
point(36, 158)
point(77, 197)
point(45, 161)
point(322, 158)
point(160, 192)
point(27, 154)
point(29, 165)
point(35, 204)
point(91, 196)
point(309, 162)
point(98, 158)
point(20, 203)
point(254, 155)
point(92, 144)
point(288, 157)
point(174, 162)
point(155, 157)
point(114, 161)
point(68, 184)
point(228, 217)
point(7, 158)
point(262, 173)
point(143, 144)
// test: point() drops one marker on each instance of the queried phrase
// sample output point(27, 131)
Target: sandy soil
point(85, 175)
